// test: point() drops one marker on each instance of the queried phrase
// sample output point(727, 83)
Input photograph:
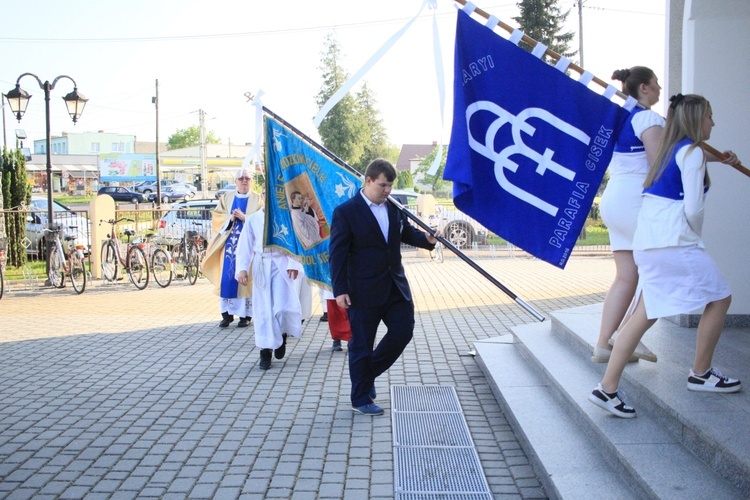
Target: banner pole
point(414, 218)
point(554, 55)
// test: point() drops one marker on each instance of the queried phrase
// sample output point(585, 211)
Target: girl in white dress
point(621, 201)
point(676, 273)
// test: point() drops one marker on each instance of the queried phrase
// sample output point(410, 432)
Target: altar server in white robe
point(275, 298)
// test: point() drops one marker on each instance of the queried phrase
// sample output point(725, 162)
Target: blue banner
point(303, 187)
point(529, 145)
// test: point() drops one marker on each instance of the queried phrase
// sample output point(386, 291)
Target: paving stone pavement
point(119, 393)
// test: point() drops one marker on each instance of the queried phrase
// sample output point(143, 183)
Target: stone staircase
point(681, 445)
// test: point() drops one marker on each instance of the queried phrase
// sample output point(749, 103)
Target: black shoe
point(324, 318)
point(279, 353)
point(265, 359)
point(227, 319)
point(336, 346)
point(244, 322)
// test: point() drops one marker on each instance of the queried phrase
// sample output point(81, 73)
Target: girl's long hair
point(684, 120)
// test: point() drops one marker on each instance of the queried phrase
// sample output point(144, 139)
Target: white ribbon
point(586, 78)
point(610, 91)
point(562, 64)
point(539, 50)
point(492, 22)
point(440, 75)
point(516, 36)
point(469, 7)
point(255, 150)
point(630, 103)
point(347, 86)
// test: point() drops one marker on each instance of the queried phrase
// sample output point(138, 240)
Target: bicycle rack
point(30, 279)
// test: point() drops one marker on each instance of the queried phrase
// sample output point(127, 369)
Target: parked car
point(193, 215)
point(226, 189)
point(175, 192)
point(121, 194)
point(458, 228)
point(149, 187)
point(71, 223)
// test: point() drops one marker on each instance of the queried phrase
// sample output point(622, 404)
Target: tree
point(404, 180)
point(342, 130)
point(543, 21)
point(191, 136)
point(15, 192)
point(376, 145)
point(435, 181)
point(353, 129)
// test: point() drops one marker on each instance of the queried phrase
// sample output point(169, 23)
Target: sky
point(208, 55)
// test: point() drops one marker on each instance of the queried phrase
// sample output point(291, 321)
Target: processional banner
point(529, 145)
point(303, 187)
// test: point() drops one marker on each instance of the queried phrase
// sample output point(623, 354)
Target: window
point(95, 147)
point(118, 147)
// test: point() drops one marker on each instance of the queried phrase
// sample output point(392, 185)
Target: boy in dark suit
point(369, 281)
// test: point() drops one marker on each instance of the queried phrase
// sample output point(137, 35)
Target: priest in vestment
point(219, 267)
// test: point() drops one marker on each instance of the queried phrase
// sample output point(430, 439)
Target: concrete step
point(543, 378)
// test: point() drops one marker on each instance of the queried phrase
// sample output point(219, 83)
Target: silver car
point(72, 223)
point(194, 215)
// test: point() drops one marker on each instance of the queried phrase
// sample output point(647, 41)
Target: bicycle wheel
point(191, 264)
point(78, 272)
point(2, 282)
point(178, 261)
point(161, 268)
point(137, 267)
point(55, 264)
point(109, 261)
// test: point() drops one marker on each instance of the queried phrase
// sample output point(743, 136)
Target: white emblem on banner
point(502, 160)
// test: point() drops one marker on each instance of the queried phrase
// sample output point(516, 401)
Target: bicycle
point(160, 260)
point(187, 254)
point(135, 262)
point(61, 263)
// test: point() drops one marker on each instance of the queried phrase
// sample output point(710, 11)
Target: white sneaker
point(712, 381)
point(613, 403)
point(641, 351)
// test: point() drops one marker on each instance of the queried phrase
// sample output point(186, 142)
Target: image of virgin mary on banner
point(529, 145)
point(303, 186)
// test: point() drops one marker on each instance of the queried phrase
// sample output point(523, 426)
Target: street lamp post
point(18, 99)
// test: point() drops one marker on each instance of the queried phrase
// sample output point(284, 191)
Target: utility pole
point(5, 139)
point(204, 170)
point(155, 100)
point(580, 33)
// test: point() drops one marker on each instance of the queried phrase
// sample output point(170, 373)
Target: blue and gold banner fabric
point(529, 145)
point(303, 186)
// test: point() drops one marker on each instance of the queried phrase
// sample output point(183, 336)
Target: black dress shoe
point(226, 319)
point(265, 359)
point(281, 351)
point(244, 322)
point(324, 318)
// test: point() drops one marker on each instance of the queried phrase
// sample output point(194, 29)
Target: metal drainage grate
point(429, 398)
point(434, 455)
point(429, 429)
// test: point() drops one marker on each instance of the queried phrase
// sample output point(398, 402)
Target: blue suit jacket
point(362, 264)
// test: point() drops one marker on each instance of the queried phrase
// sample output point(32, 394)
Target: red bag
point(338, 321)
